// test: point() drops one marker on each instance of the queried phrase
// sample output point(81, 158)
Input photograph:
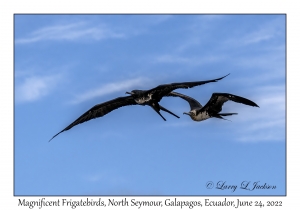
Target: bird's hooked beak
point(187, 113)
point(130, 93)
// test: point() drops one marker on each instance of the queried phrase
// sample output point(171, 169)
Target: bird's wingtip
point(226, 75)
point(254, 104)
point(54, 136)
point(222, 77)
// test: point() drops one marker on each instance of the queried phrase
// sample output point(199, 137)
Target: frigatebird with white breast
point(212, 107)
point(150, 97)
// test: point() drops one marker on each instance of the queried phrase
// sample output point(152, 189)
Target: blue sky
point(65, 64)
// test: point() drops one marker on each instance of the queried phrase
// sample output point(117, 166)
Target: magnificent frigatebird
point(212, 107)
point(137, 97)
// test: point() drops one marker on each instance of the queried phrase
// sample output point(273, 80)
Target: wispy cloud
point(273, 61)
point(71, 32)
point(167, 58)
point(95, 177)
point(199, 30)
point(265, 32)
point(107, 176)
point(126, 85)
point(180, 59)
point(35, 87)
point(263, 136)
point(158, 19)
point(85, 30)
point(267, 123)
point(256, 37)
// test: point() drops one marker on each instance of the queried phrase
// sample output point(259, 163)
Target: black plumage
point(150, 97)
point(213, 106)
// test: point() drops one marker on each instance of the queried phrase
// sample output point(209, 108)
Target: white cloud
point(265, 32)
point(273, 61)
point(107, 176)
point(95, 177)
point(198, 32)
point(87, 31)
point(268, 122)
point(172, 59)
point(264, 136)
point(71, 32)
point(258, 37)
point(195, 60)
point(34, 87)
point(149, 20)
point(126, 85)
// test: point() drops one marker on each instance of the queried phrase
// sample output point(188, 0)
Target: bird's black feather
point(215, 103)
point(100, 110)
point(194, 104)
point(162, 90)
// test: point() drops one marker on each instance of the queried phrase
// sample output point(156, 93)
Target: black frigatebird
point(212, 107)
point(150, 97)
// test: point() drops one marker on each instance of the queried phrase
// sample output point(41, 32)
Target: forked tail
point(219, 115)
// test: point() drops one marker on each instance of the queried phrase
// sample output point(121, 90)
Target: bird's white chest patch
point(202, 116)
point(144, 99)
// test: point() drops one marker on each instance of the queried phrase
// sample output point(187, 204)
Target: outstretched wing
point(162, 90)
point(215, 103)
point(100, 110)
point(194, 104)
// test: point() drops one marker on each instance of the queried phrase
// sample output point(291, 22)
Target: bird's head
point(134, 92)
point(191, 113)
point(187, 113)
point(130, 93)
